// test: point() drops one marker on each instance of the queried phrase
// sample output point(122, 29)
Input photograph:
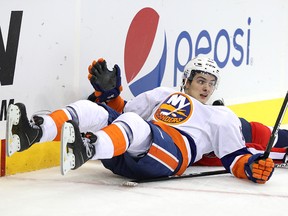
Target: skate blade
point(67, 157)
point(12, 140)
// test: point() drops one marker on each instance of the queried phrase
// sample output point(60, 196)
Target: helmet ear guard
point(200, 64)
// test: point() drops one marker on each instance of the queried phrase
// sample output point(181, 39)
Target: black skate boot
point(76, 148)
point(20, 134)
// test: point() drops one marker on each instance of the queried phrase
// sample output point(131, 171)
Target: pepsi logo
point(144, 64)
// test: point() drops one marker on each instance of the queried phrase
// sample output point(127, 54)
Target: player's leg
point(156, 149)
point(76, 147)
point(260, 138)
point(22, 134)
point(129, 147)
point(255, 132)
point(128, 133)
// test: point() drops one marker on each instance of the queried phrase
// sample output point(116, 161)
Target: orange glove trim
point(97, 93)
point(117, 104)
point(94, 63)
point(99, 60)
point(238, 168)
point(89, 69)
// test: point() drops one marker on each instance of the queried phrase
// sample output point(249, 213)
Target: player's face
point(202, 87)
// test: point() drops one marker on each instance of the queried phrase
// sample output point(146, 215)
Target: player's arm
point(107, 84)
point(248, 166)
point(145, 103)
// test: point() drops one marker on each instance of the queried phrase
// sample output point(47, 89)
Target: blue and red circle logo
point(143, 41)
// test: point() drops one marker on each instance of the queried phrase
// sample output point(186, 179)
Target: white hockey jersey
point(213, 128)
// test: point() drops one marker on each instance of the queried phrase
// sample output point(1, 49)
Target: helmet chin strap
point(182, 87)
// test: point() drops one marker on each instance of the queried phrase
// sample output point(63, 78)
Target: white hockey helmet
point(200, 64)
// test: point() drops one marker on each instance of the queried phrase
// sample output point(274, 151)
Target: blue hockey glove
point(259, 170)
point(107, 84)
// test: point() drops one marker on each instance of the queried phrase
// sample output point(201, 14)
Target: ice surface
point(93, 190)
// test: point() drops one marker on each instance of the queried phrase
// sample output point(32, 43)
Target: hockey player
point(177, 131)
point(200, 78)
point(256, 134)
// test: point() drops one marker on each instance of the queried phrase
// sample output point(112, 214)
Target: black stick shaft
point(276, 127)
point(208, 173)
point(192, 175)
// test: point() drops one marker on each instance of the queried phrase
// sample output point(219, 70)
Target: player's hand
point(107, 84)
point(259, 170)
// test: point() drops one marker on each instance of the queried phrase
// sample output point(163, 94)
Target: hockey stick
point(284, 163)
point(134, 183)
point(276, 127)
point(191, 175)
point(281, 165)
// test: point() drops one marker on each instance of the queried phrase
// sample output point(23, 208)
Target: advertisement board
point(47, 46)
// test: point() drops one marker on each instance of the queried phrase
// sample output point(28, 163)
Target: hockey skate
point(20, 134)
point(76, 148)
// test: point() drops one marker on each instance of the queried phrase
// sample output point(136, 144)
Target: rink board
point(47, 55)
point(48, 154)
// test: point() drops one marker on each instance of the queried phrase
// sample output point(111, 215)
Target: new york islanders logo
point(143, 62)
point(176, 109)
